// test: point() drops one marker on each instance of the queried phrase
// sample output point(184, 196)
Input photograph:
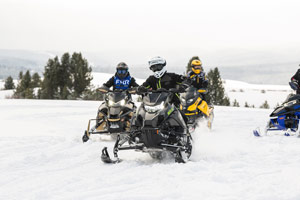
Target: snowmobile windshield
point(292, 97)
point(153, 99)
point(116, 98)
point(190, 93)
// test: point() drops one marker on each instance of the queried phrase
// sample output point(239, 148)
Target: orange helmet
point(196, 66)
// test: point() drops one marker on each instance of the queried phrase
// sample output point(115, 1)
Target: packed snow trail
point(43, 157)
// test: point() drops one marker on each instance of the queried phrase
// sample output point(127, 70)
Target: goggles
point(197, 66)
point(122, 71)
point(157, 67)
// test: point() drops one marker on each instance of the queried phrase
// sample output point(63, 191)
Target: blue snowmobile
point(285, 118)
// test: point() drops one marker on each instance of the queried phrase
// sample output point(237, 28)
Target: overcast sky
point(135, 30)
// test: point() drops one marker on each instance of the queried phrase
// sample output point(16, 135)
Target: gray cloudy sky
point(134, 30)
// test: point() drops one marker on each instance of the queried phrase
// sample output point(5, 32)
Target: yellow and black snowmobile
point(114, 115)
point(195, 108)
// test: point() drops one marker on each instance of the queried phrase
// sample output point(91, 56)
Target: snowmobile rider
point(162, 79)
point(121, 80)
point(197, 76)
point(198, 79)
point(296, 80)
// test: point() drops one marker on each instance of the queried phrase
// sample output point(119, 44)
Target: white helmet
point(157, 65)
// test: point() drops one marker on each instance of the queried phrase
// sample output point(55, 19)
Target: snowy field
point(43, 157)
point(255, 94)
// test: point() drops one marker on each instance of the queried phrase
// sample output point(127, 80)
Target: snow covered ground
point(42, 157)
point(255, 94)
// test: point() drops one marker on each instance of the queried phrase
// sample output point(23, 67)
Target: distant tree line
point(67, 78)
point(70, 78)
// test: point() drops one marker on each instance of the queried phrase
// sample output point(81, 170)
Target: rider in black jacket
point(162, 79)
point(296, 80)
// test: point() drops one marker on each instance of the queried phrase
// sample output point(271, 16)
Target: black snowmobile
point(158, 127)
point(113, 116)
point(195, 108)
point(285, 118)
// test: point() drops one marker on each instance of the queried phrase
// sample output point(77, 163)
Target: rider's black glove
point(103, 89)
point(182, 87)
point(142, 89)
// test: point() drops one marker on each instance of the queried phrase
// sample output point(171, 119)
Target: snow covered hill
point(43, 157)
point(255, 94)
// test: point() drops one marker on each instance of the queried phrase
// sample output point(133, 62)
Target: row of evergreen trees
point(67, 78)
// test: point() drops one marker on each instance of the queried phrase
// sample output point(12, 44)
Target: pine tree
point(189, 66)
point(36, 80)
point(226, 101)
point(26, 80)
point(265, 105)
point(236, 103)
point(24, 89)
point(64, 76)
point(20, 75)
point(246, 105)
point(216, 90)
point(50, 83)
point(9, 83)
point(28, 93)
point(80, 73)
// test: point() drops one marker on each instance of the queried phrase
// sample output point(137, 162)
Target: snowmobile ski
point(256, 133)
point(106, 158)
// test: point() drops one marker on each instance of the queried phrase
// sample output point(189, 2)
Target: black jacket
point(199, 81)
point(296, 76)
point(111, 82)
point(167, 81)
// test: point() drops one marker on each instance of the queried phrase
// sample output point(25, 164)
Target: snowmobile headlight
point(111, 103)
point(152, 109)
point(190, 101)
point(122, 102)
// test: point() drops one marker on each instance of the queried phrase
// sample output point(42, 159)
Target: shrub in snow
point(265, 105)
point(246, 105)
point(235, 103)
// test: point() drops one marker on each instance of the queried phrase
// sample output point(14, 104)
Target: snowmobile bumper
point(175, 149)
point(101, 130)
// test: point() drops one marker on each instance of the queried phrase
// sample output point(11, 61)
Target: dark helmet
point(122, 70)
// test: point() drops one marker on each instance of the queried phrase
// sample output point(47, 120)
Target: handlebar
point(135, 90)
point(103, 90)
point(172, 90)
